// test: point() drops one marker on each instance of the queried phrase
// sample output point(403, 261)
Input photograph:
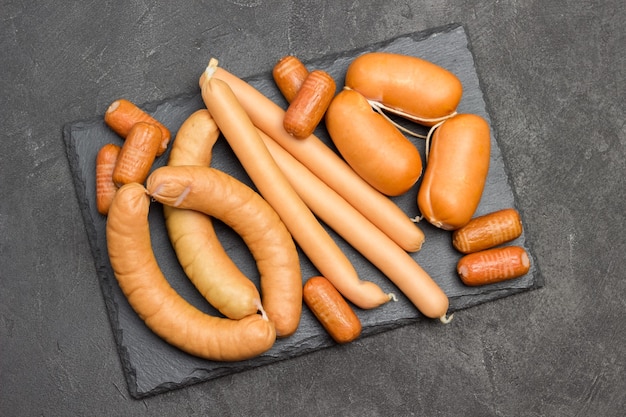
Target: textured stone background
point(553, 76)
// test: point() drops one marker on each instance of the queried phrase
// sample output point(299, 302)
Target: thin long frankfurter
point(162, 309)
point(193, 237)
point(327, 165)
point(220, 195)
point(367, 239)
point(272, 184)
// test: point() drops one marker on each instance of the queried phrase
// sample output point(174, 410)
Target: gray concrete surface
point(553, 74)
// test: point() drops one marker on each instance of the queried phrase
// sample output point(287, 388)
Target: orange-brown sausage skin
point(331, 309)
point(456, 171)
point(405, 83)
point(197, 246)
point(307, 109)
point(122, 115)
point(372, 145)
point(163, 310)
point(105, 187)
point(289, 74)
point(487, 231)
point(493, 265)
point(250, 216)
point(137, 154)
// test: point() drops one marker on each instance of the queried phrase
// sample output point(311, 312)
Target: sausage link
point(122, 115)
point(493, 265)
point(456, 171)
point(487, 231)
point(307, 109)
point(372, 145)
point(162, 309)
point(137, 154)
point(406, 85)
point(332, 311)
point(105, 187)
point(220, 195)
point(193, 237)
point(289, 73)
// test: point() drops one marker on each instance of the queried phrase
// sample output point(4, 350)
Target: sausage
point(487, 231)
point(327, 165)
point(493, 265)
point(121, 116)
point(307, 109)
point(193, 237)
point(137, 154)
point(313, 239)
point(408, 86)
point(289, 73)
point(372, 145)
point(162, 309)
point(332, 311)
point(217, 194)
point(456, 171)
point(105, 187)
point(367, 239)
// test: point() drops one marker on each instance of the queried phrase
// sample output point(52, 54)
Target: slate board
point(151, 366)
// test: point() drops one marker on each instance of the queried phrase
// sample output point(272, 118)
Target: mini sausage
point(121, 116)
point(137, 154)
point(289, 73)
point(406, 85)
point(487, 231)
point(372, 145)
point(456, 171)
point(332, 311)
point(493, 265)
point(307, 109)
point(162, 309)
point(105, 187)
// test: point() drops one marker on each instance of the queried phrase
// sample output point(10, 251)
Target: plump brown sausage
point(456, 171)
point(122, 115)
point(493, 265)
point(163, 310)
point(489, 230)
point(332, 311)
point(406, 85)
point(372, 145)
point(220, 195)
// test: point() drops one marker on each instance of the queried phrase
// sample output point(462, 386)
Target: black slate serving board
point(152, 366)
